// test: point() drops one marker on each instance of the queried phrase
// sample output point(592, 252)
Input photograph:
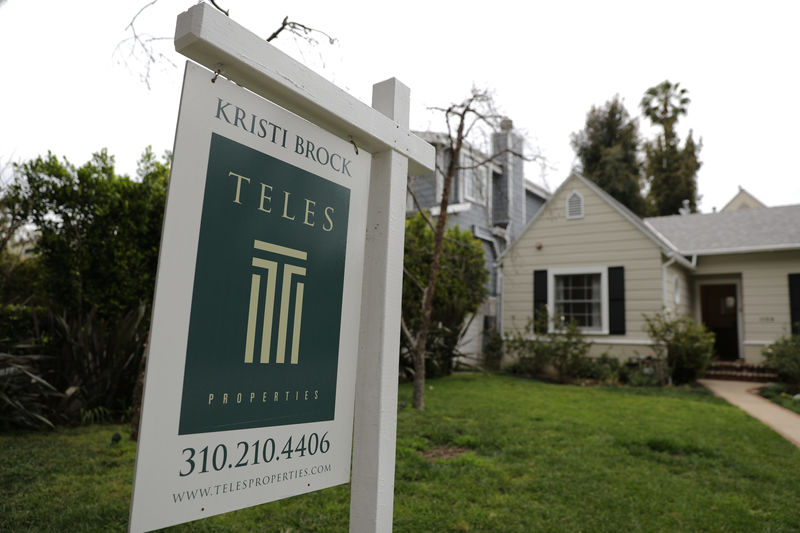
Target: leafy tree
point(97, 232)
point(94, 257)
point(607, 148)
point(460, 290)
point(671, 169)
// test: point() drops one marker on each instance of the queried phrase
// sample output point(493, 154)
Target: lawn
point(513, 455)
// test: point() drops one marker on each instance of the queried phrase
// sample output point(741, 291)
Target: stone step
point(755, 373)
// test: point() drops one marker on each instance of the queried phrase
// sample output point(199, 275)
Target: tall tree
point(671, 170)
point(607, 149)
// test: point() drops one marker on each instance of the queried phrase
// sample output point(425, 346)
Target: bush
point(605, 369)
point(26, 398)
point(99, 361)
point(562, 348)
point(684, 344)
point(460, 290)
point(784, 356)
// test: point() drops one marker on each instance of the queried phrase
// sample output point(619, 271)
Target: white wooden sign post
point(275, 337)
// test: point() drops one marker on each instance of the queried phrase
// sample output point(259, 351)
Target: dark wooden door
point(719, 309)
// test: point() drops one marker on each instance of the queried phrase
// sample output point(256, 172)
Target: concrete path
point(742, 395)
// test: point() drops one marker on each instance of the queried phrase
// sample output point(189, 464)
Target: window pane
point(577, 297)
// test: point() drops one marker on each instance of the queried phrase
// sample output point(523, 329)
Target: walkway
point(784, 421)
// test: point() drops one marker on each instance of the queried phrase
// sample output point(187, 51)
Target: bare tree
point(140, 47)
point(467, 120)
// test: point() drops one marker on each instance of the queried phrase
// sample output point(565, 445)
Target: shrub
point(784, 356)
point(26, 398)
point(605, 369)
point(98, 360)
point(685, 345)
point(562, 348)
point(460, 290)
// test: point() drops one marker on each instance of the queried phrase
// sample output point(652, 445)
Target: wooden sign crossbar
point(210, 38)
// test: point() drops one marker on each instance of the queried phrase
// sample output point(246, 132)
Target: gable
point(578, 225)
point(743, 200)
point(606, 240)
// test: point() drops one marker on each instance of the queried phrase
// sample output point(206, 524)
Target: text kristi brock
point(262, 128)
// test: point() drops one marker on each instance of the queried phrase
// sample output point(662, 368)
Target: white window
point(575, 205)
point(476, 182)
point(581, 295)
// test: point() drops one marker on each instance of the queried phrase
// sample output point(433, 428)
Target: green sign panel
point(263, 341)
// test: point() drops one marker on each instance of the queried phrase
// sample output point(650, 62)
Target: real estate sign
point(251, 365)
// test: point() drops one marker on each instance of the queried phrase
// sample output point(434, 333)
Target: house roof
point(737, 231)
point(745, 230)
point(538, 190)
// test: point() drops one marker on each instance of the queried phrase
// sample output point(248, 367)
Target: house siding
point(603, 237)
point(424, 189)
point(764, 290)
point(533, 203)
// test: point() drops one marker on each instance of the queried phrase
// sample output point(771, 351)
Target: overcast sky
point(68, 88)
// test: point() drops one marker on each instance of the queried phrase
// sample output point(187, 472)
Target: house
point(586, 256)
point(494, 201)
point(743, 200)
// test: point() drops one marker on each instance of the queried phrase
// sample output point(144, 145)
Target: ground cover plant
point(489, 453)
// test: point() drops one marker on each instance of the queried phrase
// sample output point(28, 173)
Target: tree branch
point(301, 30)
point(407, 332)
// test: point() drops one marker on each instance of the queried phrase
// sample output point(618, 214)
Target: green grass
point(540, 458)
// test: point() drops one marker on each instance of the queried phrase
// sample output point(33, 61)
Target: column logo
point(291, 275)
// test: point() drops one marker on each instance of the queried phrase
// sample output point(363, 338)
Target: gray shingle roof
point(745, 230)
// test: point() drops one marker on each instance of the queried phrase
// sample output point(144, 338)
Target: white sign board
point(251, 367)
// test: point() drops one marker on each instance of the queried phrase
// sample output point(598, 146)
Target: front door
point(719, 312)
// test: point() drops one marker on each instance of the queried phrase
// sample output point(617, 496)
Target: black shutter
point(540, 300)
point(616, 300)
point(794, 303)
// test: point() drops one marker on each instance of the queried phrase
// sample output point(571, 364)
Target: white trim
point(551, 288)
point(757, 343)
point(746, 249)
point(623, 342)
point(451, 209)
point(467, 175)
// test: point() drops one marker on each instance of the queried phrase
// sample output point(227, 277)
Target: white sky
point(65, 89)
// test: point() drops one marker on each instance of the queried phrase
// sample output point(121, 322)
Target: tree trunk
point(420, 347)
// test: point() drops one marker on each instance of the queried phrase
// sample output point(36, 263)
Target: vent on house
point(575, 205)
